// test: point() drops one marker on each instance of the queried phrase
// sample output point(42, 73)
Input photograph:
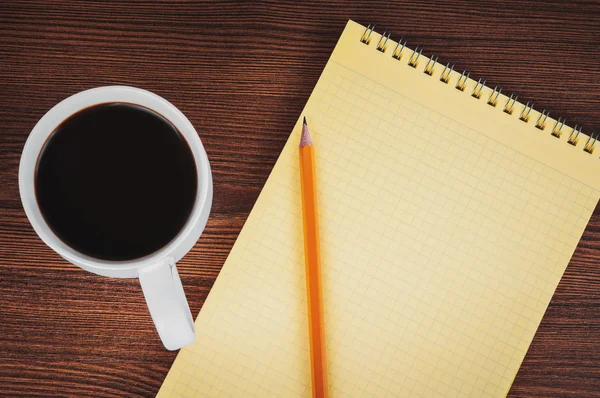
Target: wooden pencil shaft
point(313, 272)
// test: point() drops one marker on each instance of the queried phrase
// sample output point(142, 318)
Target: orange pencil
point(314, 288)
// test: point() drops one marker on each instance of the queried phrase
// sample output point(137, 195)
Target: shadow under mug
point(157, 272)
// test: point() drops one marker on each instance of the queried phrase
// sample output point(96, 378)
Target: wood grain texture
point(237, 68)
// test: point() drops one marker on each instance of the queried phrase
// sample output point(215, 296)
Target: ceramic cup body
point(157, 272)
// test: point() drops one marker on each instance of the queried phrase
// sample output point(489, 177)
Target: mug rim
point(46, 126)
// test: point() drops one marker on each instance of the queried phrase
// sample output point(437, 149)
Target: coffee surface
point(116, 181)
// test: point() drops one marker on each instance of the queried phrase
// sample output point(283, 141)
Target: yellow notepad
point(446, 225)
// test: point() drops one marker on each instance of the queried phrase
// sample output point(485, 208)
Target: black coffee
point(116, 181)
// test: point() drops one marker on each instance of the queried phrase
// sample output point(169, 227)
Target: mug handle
point(167, 304)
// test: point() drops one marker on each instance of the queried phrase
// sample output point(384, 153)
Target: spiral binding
point(510, 106)
point(414, 58)
point(478, 89)
point(492, 100)
point(541, 123)
point(446, 72)
point(556, 131)
point(462, 80)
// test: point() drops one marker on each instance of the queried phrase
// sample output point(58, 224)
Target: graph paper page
point(446, 225)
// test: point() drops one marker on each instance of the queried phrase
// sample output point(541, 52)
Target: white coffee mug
point(157, 272)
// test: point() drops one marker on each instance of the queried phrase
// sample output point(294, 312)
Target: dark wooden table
point(241, 72)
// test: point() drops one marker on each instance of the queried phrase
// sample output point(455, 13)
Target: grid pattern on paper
point(441, 250)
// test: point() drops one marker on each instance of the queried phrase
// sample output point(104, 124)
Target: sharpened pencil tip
point(305, 138)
